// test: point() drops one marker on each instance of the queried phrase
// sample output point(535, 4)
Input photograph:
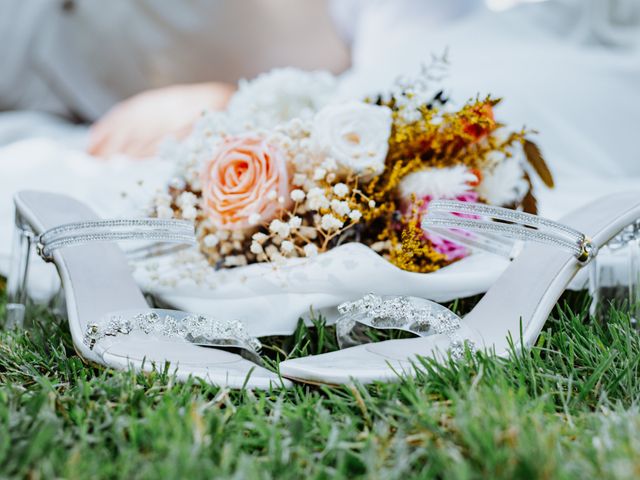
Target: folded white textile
point(118, 188)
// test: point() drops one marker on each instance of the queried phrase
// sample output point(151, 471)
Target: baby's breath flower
point(259, 237)
point(316, 199)
point(340, 207)
point(380, 246)
point(295, 222)
point(299, 179)
point(372, 203)
point(186, 199)
point(355, 215)
point(271, 251)
point(297, 195)
point(164, 211)
point(310, 250)
point(319, 173)
point(277, 240)
point(178, 183)
point(235, 260)
point(309, 232)
point(256, 248)
point(210, 240)
point(189, 213)
point(279, 228)
point(329, 222)
point(287, 247)
point(341, 190)
point(330, 164)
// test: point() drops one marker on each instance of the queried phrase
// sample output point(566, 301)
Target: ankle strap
point(499, 222)
point(81, 233)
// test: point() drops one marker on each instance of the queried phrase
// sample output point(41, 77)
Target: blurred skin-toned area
point(255, 36)
point(135, 126)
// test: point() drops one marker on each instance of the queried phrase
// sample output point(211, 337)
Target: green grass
point(566, 409)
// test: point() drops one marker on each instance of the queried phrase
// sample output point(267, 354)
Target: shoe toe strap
point(410, 314)
point(176, 326)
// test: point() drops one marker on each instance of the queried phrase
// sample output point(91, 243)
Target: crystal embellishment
point(411, 314)
point(196, 329)
point(506, 223)
point(146, 229)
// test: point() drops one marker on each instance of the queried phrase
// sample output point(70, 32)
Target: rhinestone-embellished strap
point(410, 314)
point(503, 222)
point(175, 326)
point(81, 233)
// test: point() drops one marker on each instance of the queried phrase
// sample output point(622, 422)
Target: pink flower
point(243, 182)
point(452, 250)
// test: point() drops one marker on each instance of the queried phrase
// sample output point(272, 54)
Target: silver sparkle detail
point(521, 226)
point(411, 314)
point(197, 329)
point(456, 350)
point(147, 229)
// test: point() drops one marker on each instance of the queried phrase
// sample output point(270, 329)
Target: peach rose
point(241, 184)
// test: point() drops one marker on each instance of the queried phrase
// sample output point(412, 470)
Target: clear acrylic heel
point(614, 277)
point(17, 281)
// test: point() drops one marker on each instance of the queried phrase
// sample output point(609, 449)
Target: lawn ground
point(568, 408)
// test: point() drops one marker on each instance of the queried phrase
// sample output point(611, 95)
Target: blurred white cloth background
point(559, 74)
point(80, 57)
point(569, 69)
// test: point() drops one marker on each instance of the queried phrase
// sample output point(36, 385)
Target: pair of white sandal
point(112, 325)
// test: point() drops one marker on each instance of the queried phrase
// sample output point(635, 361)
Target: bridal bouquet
point(290, 170)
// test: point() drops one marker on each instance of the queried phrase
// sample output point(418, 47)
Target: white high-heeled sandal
point(111, 323)
point(525, 294)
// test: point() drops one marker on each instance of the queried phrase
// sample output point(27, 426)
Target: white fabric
point(117, 188)
point(581, 97)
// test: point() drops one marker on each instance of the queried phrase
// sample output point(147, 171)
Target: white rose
point(354, 134)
